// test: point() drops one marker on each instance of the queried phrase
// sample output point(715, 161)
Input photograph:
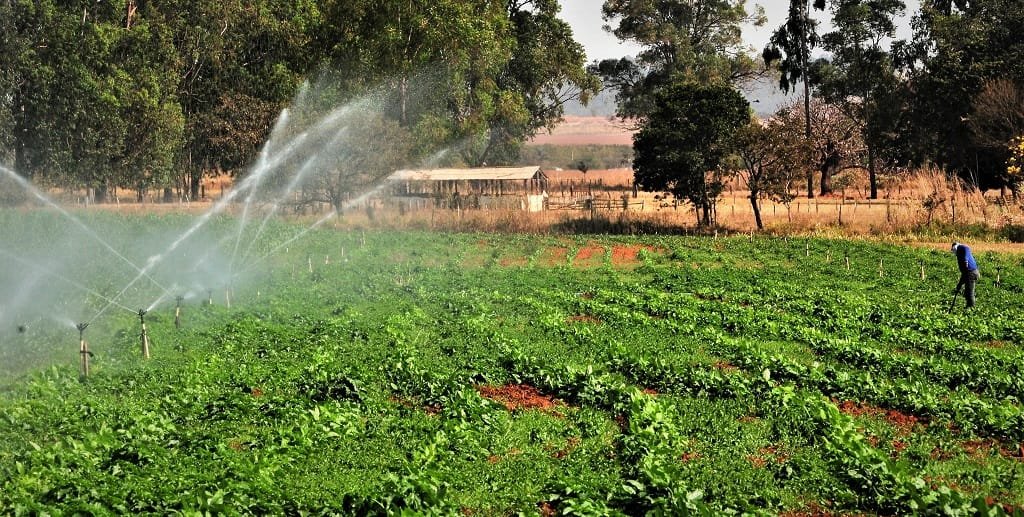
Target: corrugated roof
point(483, 173)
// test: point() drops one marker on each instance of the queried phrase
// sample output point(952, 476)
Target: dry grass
point(924, 206)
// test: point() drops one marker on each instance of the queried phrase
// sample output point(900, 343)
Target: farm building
point(486, 187)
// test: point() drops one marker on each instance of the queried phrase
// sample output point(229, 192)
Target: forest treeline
point(150, 95)
point(155, 94)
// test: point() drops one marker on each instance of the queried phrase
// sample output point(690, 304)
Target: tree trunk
point(168, 195)
point(100, 193)
point(757, 210)
point(807, 130)
point(195, 179)
point(828, 167)
point(872, 177)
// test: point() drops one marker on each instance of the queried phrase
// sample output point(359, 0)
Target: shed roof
point(483, 173)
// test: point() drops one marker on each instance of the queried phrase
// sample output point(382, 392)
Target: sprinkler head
point(82, 326)
point(142, 315)
point(179, 299)
point(22, 329)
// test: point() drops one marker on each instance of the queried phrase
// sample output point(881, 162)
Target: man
point(969, 274)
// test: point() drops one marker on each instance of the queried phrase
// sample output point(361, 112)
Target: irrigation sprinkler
point(309, 260)
point(177, 311)
point(145, 335)
point(209, 297)
point(83, 348)
point(227, 296)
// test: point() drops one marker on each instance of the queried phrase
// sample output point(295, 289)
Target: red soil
point(517, 397)
point(629, 255)
point(725, 366)
point(555, 256)
point(588, 253)
point(689, 456)
point(584, 318)
point(903, 422)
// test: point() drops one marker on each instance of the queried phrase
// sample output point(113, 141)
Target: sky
point(585, 18)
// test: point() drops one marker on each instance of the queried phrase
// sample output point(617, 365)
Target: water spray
point(177, 311)
point(145, 335)
point(83, 349)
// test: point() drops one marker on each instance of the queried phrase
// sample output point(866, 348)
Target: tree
point(10, 47)
point(90, 101)
point(682, 40)
point(958, 47)
point(547, 70)
point(860, 68)
point(683, 142)
point(791, 45)
point(837, 142)
point(773, 158)
point(238, 65)
point(358, 161)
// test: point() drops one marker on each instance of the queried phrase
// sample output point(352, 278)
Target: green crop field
point(386, 372)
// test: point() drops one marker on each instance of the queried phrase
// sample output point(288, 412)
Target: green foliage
point(683, 142)
point(957, 48)
point(701, 380)
point(860, 70)
point(148, 95)
point(682, 41)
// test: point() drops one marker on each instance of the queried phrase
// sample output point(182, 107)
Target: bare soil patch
point(588, 256)
point(517, 397)
point(584, 318)
point(903, 422)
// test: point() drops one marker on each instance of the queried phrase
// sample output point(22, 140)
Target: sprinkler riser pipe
point(144, 337)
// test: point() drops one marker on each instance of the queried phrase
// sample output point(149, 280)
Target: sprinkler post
point(145, 335)
point(83, 349)
point(227, 296)
point(177, 311)
point(209, 297)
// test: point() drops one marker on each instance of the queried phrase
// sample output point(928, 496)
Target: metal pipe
point(145, 335)
point(83, 349)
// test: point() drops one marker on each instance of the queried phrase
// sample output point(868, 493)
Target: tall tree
point(547, 70)
point(695, 40)
point(860, 67)
point(791, 45)
point(437, 61)
point(772, 157)
point(10, 47)
point(239, 64)
point(684, 140)
point(959, 46)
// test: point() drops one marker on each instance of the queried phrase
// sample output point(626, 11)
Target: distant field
point(577, 130)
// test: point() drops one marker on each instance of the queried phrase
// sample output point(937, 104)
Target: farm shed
point(484, 181)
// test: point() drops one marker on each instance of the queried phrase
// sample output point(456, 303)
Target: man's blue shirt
point(965, 259)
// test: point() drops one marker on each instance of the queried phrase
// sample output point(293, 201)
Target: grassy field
point(377, 372)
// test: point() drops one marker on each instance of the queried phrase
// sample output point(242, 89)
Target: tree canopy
point(682, 40)
point(144, 95)
point(681, 147)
